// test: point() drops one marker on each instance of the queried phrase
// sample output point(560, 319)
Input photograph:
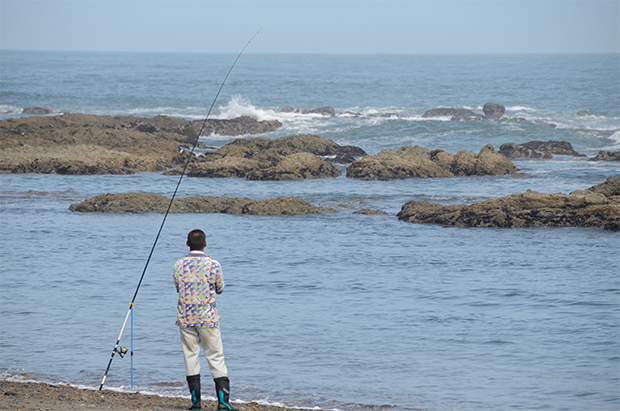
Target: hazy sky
point(302, 26)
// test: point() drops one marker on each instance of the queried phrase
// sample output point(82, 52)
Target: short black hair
point(196, 239)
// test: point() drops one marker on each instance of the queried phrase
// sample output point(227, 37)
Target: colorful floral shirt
point(197, 278)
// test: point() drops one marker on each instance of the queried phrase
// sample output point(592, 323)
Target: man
point(198, 279)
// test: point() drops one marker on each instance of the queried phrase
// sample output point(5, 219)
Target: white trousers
point(192, 338)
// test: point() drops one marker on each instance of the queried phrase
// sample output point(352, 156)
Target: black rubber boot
point(193, 381)
point(222, 390)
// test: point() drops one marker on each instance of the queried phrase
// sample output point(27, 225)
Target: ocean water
point(337, 311)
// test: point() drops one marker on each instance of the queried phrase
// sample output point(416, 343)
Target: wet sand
point(33, 396)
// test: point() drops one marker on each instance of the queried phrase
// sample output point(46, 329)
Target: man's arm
point(219, 279)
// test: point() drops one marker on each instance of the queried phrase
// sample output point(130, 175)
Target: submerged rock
point(538, 149)
point(606, 156)
point(418, 162)
point(455, 114)
point(596, 207)
point(141, 203)
point(324, 111)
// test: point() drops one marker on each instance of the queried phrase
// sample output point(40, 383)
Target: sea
point(330, 312)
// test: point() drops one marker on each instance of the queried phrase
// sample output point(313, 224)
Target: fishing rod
point(122, 351)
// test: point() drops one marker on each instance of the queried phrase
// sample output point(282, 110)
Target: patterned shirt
point(197, 278)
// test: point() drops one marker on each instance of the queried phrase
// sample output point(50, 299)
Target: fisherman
point(198, 279)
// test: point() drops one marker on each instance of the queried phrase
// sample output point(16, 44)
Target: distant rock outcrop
point(538, 149)
point(324, 111)
point(418, 162)
point(140, 203)
point(606, 156)
point(493, 111)
point(455, 114)
point(287, 158)
point(596, 207)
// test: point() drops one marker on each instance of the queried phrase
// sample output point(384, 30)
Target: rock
point(286, 158)
point(487, 162)
point(406, 162)
point(38, 111)
point(417, 162)
point(512, 150)
point(89, 144)
point(538, 149)
point(140, 203)
point(454, 114)
point(596, 207)
point(606, 156)
point(493, 111)
point(239, 126)
point(299, 166)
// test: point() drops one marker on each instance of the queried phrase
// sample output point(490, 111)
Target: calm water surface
point(332, 311)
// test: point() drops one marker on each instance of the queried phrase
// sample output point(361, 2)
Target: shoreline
point(35, 395)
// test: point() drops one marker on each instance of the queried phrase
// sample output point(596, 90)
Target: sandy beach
point(35, 396)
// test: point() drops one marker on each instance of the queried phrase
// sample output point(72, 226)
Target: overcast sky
point(303, 26)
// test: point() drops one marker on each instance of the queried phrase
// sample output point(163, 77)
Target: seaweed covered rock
point(539, 149)
point(418, 162)
point(606, 156)
point(90, 144)
point(297, 166)
point(287, 158)
point(140, 203)
point(596, 207)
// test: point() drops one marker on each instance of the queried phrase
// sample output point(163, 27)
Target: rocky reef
point(418, 162)
point(141, 203)
point(596, 207)
point(287, 158)
point(90, 144)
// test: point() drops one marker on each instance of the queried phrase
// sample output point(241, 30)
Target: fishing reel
point(121, 351)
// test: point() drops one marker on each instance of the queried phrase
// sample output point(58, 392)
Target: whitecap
point(239, 106)
point(520, 108)
point(615, 141)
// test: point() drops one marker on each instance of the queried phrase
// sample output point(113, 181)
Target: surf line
point(122, 351)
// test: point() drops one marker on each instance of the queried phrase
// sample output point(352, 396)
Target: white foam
point(239, 106)
point(615, 141)
point(520, 108)
point(8, 109)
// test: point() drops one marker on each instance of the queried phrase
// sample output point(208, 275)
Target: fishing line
point(122, 351)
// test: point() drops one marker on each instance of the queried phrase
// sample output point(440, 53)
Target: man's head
point(196, 240)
